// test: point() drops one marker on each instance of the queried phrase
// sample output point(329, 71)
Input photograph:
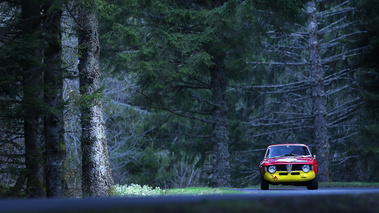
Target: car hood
point(289, 159)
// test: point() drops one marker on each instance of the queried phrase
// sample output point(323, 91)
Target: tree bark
point(220, 140)
point(318, 96)
point(32, 98)
point(54, 124)
point(96, 177)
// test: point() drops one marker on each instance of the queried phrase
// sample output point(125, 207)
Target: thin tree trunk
point(32, 98)
point(318, 96)
point(18, 186)
point(220, 140)
point(96, 177)
point(54, 124)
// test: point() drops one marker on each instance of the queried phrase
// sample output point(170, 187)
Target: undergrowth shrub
point(135, 190)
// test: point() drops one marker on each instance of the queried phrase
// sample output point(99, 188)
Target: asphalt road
point(299, 191)
point(291, 199)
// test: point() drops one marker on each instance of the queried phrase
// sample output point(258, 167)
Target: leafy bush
point(136, 190)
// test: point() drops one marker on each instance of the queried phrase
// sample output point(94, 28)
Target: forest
point(180, 93)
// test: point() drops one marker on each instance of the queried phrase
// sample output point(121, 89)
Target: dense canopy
point(178, 93)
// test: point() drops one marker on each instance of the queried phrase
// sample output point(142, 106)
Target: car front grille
point(295, 167)
point(286, 173)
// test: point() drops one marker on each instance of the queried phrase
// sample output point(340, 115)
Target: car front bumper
point(285, 177)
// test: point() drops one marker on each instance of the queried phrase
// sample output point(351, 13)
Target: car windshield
point(287, 150)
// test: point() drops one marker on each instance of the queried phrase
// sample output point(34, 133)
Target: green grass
point(137, 190)
point(199, 191)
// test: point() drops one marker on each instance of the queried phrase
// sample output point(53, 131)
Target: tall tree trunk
point(220, 140)
point(54, 124)
point(96, 177)
point(318, 95)
point(33, 96)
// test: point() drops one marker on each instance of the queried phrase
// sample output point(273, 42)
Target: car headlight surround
point(271, 169)
point(306, 168)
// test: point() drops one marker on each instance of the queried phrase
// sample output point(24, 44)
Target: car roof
point(288, 144)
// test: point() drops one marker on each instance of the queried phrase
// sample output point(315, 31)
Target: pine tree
point(96, 172)
point(185, 54)
point(12, 154)
point(32, 41)
point(368, 72)
point(311, 65)
point(32, 98)
point(53, 95)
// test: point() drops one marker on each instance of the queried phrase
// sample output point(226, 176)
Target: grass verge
point(200, 191)
point(135, 190)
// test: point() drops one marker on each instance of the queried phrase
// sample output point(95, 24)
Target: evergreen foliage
point(368, 77)
point(193, 90)
point(174, 45)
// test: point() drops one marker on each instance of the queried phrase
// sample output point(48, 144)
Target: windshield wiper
point(290, 155)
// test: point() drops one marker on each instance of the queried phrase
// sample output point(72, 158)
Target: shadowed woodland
point(180, 93)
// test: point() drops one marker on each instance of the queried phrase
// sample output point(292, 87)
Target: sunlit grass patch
point(138, 190)
point(199, 191)
point(135, 190)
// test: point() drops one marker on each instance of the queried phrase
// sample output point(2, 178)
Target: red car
point(288, 164)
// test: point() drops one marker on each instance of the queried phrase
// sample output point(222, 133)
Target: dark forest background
point(180, 93)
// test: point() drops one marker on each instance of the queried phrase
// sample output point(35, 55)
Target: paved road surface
point(299, 191)
point(194, 203)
